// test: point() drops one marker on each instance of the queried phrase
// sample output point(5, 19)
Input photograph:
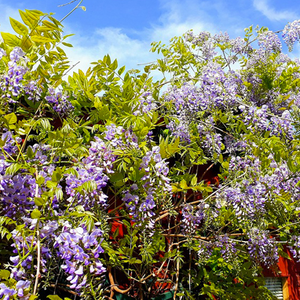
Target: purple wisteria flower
point(80, 251)
point(60, 102)
point(291, 33)
point(12, 83)
point(16, 54)
point(262, 249)
point(269, 41)
point(146, 103)
point(21, 286)
point(192, 218)
point(6, 292)
point(141, 200)
point(2, 53)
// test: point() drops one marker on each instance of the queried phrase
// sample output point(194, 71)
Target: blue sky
point(125, 28)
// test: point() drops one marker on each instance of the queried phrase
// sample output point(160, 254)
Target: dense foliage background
point(115, 185)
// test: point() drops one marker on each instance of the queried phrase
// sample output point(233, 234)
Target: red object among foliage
point(289, 271)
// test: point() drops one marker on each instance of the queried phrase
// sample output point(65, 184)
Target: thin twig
point(177, 274)
point(114, 286)
point(67, 3)
point(64, 289)
point(71, 11)
point(37, 276)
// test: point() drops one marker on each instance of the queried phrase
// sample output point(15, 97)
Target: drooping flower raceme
point(13, 83)
point(142, 200)
point(291, 33)
point(80, 251)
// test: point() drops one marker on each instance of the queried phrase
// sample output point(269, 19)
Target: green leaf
point(28, 18)
point(4, 274)
point(50, 184)
point(114, 65)
point(18, 27)
point(194, 181)
point(10, 39)
point(39, 201)
point(50, 25)
point(56, 176)
point(67, 44)
point(175, 189)
point(41, 39)
point(13, 169)
point(26, 44)
point(183, 184)
point(30, 153)
point(35, 214)
point(121, 70)
point(11, 118)
point(54, 297)
point(40, 180)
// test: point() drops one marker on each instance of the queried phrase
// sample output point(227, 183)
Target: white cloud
point(177, 18)
point(272, 14)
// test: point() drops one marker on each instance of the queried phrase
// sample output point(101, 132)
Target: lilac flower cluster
point(6, 292)
point(221, 38)
point(239, 46)
point(146, 103)
point(291, 33)
point(294, 247)
point(17, 191)
point(60, 102)
point(249, 196)
point(227, 247)
point(260, 119)
point(180, 129)
point(233, 145)
point(198, 39)
point(9, 148)
point(120, 139)
point(262, 248)
point(217, 90)
point(205, 251)
point(27, 245)
point(81, 194)
point(17, 194)
point(248, 199)
point(13, 83)
point(192, 218)
point(141, 200)
point(211, 141)
point(22, 287)
point(269, 41)
point(80, 251)
point(207, 45)
point(281, 180)
point(92, 170)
